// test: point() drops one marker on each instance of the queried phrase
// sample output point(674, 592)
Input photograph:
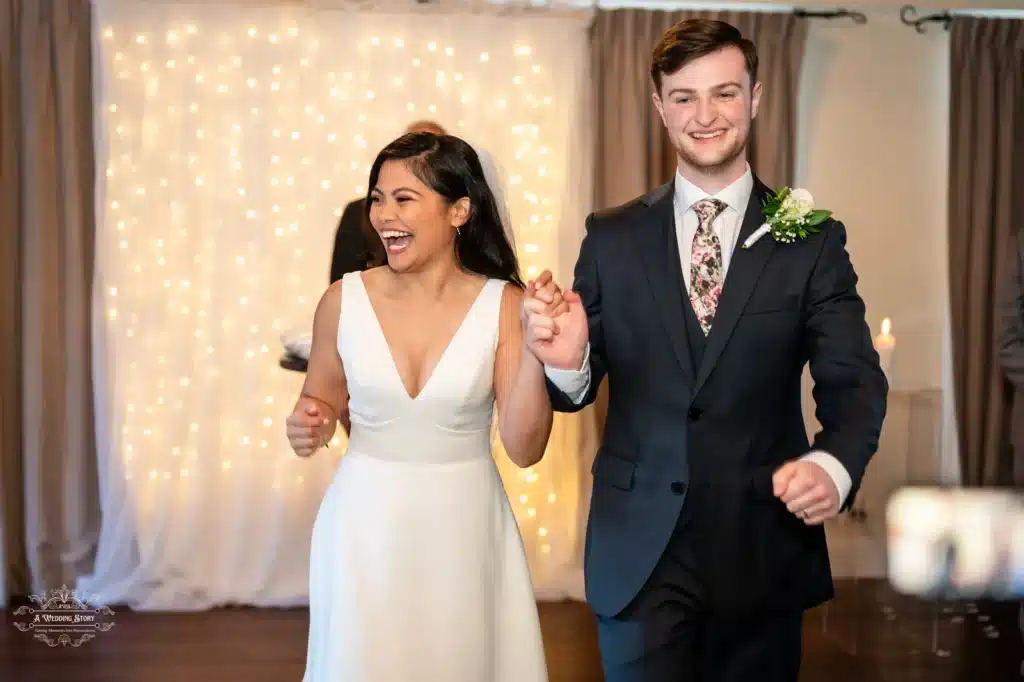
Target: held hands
point(310, 427)
point(807, 491)
point(554, 324)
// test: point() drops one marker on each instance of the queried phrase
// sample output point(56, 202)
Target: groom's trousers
point(666, 634)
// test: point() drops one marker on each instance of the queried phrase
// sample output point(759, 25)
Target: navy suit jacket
point(711, 436)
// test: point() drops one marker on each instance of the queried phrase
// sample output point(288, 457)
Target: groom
point(705, 541)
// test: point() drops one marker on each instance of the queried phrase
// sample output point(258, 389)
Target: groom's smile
point(707, 136)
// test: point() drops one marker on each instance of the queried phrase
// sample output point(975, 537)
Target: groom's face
point(707, 106)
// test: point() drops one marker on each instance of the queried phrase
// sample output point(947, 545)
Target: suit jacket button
point(694, 413)
point(678, 487)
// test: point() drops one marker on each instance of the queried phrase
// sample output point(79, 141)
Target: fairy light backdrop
point(229, 140)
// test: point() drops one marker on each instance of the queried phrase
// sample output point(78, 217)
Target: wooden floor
point(866, 634)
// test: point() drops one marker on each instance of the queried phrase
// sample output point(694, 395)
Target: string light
point(232, 148)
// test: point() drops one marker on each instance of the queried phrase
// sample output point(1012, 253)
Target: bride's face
point(416, 224)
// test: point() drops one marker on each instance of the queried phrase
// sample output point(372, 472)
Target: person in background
point(1010, 314)
point(356, 246)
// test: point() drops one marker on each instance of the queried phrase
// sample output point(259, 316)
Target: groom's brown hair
point(692, 39)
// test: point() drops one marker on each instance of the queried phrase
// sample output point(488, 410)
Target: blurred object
point(918, 522)
point(296, 350)
point(293, 363)
point(956, 543)
point(885, 343)
point(298, 344)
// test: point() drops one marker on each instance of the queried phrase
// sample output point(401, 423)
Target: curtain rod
point(856, 17)
point(908, 12)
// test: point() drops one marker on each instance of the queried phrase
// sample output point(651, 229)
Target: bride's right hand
point(309, 426)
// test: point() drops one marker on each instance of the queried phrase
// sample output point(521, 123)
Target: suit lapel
point(658, 248)
point(744, 270)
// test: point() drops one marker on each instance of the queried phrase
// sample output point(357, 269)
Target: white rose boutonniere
point(789, 215)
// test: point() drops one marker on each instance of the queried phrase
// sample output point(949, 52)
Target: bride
point(418, 570)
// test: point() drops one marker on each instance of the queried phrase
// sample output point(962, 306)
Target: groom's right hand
point(559, 340)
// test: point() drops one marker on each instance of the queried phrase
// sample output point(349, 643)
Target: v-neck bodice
point(450, 418)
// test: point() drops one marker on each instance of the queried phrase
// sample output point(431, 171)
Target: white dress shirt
point(736, 196)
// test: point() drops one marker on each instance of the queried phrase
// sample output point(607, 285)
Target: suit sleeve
point(1010, 315)
point(850, 388)
point(587, 284)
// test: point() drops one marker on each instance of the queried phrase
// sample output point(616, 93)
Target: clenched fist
point(807, 491)
point(310, 426)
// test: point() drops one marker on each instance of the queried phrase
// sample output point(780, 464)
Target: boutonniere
point(789, 215)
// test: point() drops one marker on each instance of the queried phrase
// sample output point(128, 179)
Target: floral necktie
point(706, 271)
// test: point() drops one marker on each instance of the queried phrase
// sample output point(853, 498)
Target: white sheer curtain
point(229, 140)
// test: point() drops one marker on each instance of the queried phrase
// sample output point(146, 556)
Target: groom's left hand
point(807, 491)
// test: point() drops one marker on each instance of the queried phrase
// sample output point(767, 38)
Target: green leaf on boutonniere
point(817, 217)
point(772, 201)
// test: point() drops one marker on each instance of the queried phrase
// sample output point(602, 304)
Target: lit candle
point(884, 344)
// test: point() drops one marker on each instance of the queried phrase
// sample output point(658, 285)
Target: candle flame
point(886, 326)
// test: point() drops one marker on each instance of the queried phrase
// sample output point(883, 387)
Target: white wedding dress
point(418, 571)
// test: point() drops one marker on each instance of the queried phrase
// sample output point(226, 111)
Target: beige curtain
point(48, 481)
point(986, 174)
point(632, 152)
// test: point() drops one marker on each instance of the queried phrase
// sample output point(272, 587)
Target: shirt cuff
point(835, 470)
point(572, 382)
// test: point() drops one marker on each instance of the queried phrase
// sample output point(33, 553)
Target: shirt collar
point(735, 196)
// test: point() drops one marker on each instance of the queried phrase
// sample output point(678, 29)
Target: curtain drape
point(48, 483)
point(986, 173)
point(230, 138)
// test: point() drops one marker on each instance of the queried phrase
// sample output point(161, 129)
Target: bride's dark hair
point(451, 167)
